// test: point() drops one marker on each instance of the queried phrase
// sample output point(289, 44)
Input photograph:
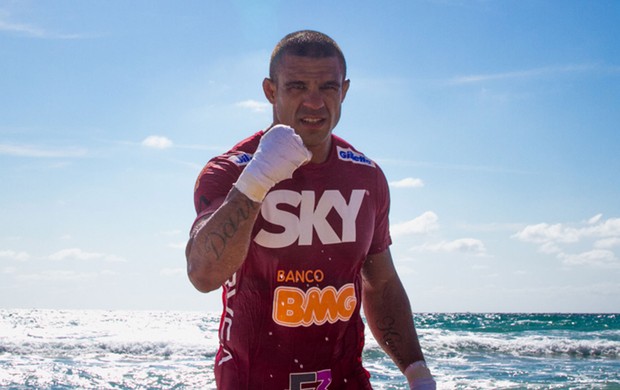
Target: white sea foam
point(52, 349)
point(100, 349)
point(528, 345)
point(130, 332)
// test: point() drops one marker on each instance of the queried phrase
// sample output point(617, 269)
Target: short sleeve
point(214, 183)
point(381, 239)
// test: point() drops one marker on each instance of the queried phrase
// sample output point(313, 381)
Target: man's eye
point(297, 86)
point(331, 87)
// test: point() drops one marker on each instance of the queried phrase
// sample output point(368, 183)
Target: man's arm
point(389, 316)
point(388, 312)
point(219, 242)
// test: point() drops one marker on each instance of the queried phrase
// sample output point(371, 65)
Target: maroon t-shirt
point(291, 317)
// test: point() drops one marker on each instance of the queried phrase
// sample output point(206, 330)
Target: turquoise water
point(533, 351)
point(54, 349)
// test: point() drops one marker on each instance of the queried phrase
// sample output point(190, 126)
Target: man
point(293, 223)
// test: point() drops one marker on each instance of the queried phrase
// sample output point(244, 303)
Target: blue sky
point(496, 123)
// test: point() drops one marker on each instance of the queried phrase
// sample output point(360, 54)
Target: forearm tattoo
point(391, 338)
point(216, 241)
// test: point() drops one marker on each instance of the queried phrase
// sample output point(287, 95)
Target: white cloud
point(425, 223)
point(79, 254)
point(462, 245)
point(13, 255)
point(609, 228)
point(607, 243)
point(8, 270)
point(560, 233)
point(21, 28)
point(595, 219)
point(529, 73)
point(543, 233)
point(157, 142)
point(40, 152)
point(550, 248)
point(254, 105)
point(408, 182)
point(32, 31)
point(596, 257)
point(602, 235)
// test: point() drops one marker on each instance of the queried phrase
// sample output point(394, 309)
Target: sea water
point(58, 349)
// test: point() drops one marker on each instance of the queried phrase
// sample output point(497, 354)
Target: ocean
point(71, 349)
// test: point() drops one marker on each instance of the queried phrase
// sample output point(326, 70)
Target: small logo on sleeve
point(346, 154)
point(241, 159)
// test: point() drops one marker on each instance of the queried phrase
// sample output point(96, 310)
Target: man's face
point(307, 95)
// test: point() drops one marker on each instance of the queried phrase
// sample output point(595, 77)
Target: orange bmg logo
point(294, 307)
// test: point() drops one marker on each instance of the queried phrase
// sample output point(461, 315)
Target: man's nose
point(313, 99)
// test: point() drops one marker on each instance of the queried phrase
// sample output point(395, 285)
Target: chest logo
point(294, 307)
point(312, 217)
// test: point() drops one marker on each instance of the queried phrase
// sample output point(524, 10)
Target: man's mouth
point(312, 121)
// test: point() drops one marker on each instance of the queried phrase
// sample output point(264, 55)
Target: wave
point(443, 343)
point(56, 349)
point(90, 349)
point(519, 322)
point(178, 334)
point(55, 333)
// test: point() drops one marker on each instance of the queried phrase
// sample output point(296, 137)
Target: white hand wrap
point(280, 152)
point(419, 376)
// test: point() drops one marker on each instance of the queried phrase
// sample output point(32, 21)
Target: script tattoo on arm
point(391, 337)
point(388, 311)
point(217, 240)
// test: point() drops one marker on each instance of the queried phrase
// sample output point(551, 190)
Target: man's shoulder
point(230, 163)
point(218, 175)
point(249, 144)
point(240, 154)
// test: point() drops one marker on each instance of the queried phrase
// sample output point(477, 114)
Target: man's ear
point(269, 88)
point(345, 88)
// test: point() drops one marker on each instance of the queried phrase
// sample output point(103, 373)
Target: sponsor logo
point(241, 159)
point(353, 156)
point(320, 380)
point(300, 276)
point(312, 217)
point(227, 322)
point(293, 307)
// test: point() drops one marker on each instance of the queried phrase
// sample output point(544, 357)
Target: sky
point(497, 124)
